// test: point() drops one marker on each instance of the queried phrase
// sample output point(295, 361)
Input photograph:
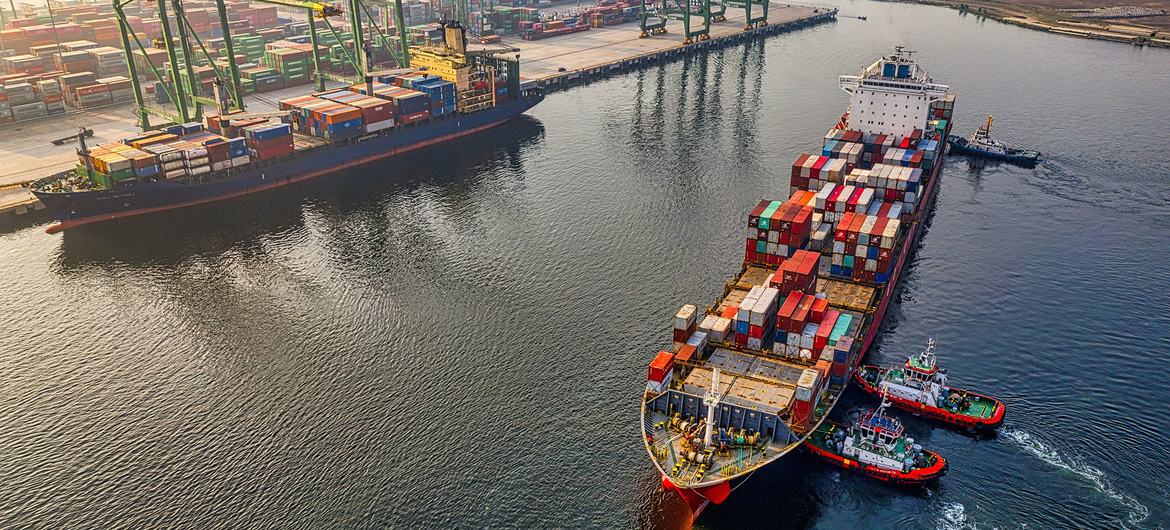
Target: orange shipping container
point(343, 114)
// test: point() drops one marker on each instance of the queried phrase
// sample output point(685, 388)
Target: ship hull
point(74, 209)
point(700, 497)
point(937, 413)
point(906, 478)
point(1026, 159)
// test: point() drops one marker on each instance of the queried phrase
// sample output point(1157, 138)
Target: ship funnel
point(454, 37)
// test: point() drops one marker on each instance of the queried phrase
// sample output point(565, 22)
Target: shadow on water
point(169, 238)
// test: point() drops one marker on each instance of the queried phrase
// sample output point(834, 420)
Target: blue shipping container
point(269, 132)
point(237, 147)
point(345, 129)
point(146, 171)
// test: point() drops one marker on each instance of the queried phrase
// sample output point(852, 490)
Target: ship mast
point(711, 399)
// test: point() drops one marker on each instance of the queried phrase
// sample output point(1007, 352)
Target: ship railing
point(44, 181)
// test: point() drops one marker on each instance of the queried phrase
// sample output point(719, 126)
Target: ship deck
point(750, 382)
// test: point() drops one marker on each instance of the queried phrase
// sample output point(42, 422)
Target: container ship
point(449, 94)
point(749, 377)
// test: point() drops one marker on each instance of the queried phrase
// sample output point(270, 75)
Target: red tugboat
point(877, 446)
point(920, 387)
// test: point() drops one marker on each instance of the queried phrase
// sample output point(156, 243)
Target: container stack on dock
point(272, 53)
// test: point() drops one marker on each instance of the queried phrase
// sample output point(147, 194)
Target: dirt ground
point(1047, 10)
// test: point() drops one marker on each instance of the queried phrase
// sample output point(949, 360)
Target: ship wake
point(1137, 512)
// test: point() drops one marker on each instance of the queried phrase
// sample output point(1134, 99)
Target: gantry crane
point(186, 95)
point(655, 14)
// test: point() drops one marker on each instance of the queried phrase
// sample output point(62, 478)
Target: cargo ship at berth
point(749, 377)
point(450, 94)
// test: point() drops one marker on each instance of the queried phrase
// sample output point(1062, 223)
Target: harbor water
point(458, 338)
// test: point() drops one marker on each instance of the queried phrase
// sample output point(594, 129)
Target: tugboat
point(877, 446)
point(980, 144)
point(920, 386)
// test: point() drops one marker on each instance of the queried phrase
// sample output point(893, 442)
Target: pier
point(559, 62)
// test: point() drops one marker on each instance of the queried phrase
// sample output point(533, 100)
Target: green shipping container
point(101, 179)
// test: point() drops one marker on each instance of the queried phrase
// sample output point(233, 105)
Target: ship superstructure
point(892, 96)
point(751, 375)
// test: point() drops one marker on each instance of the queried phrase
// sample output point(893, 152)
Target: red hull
point(698, 498)
point(911, 240)
point(937, 413)
point(918, 476)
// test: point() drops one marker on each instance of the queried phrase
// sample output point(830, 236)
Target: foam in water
point(954, 517)
point(1138, 512)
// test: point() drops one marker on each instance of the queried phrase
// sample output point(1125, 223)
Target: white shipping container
point(199, 170)
point(698, 339)
point(755, 344)
point(241, 161)
point(721, 330)
point(379, 126)
point(220, 166)
point(196, 162)
point(176, 173)
point(708, 323)
point(685, 317)
point(197, 152)
point(172, 165)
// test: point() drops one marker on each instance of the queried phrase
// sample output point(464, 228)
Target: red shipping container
point(787, 308)
point(272, 152)
point(819, 308)
point(749, 253)
point(825, 329)
point(681, 335)
point(741, 340)
point(756, 332)
point(800, 316)
point(685, 354)
point(730, 312)
point(820, 164)
point(662, 364)
point(796, 166)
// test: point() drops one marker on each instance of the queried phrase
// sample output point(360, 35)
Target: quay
point(560, 62)
point(555, 63)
